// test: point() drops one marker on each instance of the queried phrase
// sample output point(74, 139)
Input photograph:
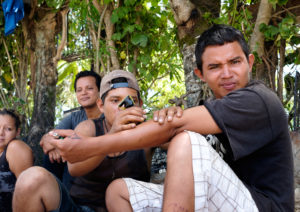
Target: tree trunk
point(188, 17)
point(110, 44)
point(41, 34)
point(257, 41)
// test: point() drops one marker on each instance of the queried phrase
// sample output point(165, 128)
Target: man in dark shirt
point(87, 87)
point(38, 190)
point(256, 172)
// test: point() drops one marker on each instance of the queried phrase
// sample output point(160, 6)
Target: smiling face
point(86, 91)
point(110, 108)
point(8, 130)
point(225, 68)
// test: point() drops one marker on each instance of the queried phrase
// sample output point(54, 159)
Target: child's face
point(8, 130)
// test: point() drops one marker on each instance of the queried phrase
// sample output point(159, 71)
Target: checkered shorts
point(217, 188)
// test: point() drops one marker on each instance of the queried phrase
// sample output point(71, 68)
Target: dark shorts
point(66, 203)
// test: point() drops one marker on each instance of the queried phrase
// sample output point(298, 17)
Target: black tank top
point(7, 184)
point(90, 189)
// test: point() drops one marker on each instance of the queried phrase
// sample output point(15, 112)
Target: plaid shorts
point(217, 188)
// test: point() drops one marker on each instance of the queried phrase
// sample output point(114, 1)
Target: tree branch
point(285, 10)
point(12, 68)
point(263, 16)
point(109, 28)
point(98, 39)
point(63, 38)
point(3, 99)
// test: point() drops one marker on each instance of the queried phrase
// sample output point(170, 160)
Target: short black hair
point(118, 80)
point(87, 73)
point(12, 114)
point(219, 34)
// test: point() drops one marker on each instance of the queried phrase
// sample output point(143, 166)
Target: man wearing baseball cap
point(93, 175)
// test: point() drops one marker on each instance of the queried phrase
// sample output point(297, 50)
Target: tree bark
point(41, 37)
point(110, 44)
point(257, 40)
point(190, 24)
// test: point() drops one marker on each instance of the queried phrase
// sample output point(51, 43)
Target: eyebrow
point(232, 59)
point(235, 58)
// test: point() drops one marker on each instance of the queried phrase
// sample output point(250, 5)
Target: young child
point(15, 157)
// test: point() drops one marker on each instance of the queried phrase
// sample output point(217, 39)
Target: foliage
point(143, 26)
point(240, 14)
point(145, 42)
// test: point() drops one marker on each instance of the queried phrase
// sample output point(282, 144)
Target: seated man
point(87, 87)
point(38, 190)
point(256, 172)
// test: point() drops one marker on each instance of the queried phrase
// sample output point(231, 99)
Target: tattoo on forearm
point(74, 136)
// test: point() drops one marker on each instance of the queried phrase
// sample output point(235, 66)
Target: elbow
point(76, 171)
point(73, 171)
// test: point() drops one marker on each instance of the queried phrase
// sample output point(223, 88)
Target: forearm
point(150, 133)
point(76, 147)
point(84, 167)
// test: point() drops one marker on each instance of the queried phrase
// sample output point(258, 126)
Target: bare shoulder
point(18, 146)
point(86, 128)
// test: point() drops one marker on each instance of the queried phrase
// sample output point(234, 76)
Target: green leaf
point(273, 3)
point(139, 39)
point(114, 17)
point(270, 31)
point(282, 2)
point(129, 28)
point(117, 36)
point(72, 67)
point(297, 60)
point(55, 3)
point(295, 40)
point(129, 2)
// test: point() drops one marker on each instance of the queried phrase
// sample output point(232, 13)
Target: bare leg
point(179, 182)
point(36, 190)
point(117, 197)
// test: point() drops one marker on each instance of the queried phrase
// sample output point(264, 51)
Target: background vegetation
point(154, 39)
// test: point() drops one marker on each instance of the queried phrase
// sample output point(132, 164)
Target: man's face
point(112, 100)
point(225, 68)
point(86, 91)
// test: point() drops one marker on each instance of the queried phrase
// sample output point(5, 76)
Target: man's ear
point(199, 74)
point(100, 105)
point(251, 59)
point(141, 102)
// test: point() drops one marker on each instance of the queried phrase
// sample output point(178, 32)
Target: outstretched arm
point(147, 134)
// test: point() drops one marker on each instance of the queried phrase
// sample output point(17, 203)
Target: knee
point(32, 179)
point(180, 147)
point(116, 190)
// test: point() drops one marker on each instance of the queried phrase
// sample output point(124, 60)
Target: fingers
point(169, 113)
point(54, 156)
point(45, 144)
point(63, 133)
point(160, 115)
point(179, 111)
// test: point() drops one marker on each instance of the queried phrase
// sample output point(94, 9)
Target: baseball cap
point(107, 84)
